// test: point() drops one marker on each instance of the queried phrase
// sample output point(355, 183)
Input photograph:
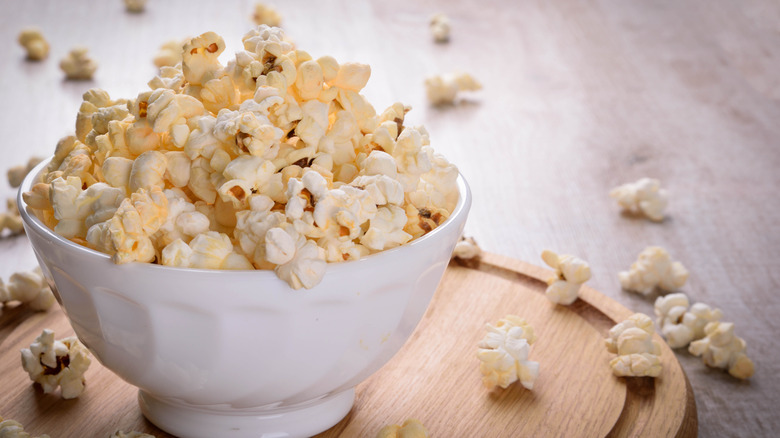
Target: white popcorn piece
point(721, 348)
point(199, 58)
point(34, 43)
point(29, 288)
point(411, 428)
point(77, 209)
point(77, 65)
point(443, 89)
point(306, 268)
point(637, 353)
point(17, 173)
point(57, 363)
point(265, 14)
point(653, 268)
point(11, 219)
point(135, 6)
point(644, 196)
point(570, 274)
point(386, 229)
point(504, 354)
point(209, 250)
point(131, 434)
point(467, 249)
point(681, 323)
point(440, 28)
point(170, 54)
point(14, 429)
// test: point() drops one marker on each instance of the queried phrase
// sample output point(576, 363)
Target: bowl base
point(302, 420)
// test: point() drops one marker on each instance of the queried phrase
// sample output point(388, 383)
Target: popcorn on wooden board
point(440, 28)
point(570, 274)
point(77, 65)
point(410, 429)
point(54, 363)
point(14, 429)
point(681, 323)
point(503, 353)
point(637, 353)
point(653, 268)
point(443, 89)
point(131, 434)
point(644, 196)
point(466, 249)
point(276, 152)
point(34, 44)
point(721, 348)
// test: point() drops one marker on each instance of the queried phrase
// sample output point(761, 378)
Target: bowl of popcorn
point(245, 243)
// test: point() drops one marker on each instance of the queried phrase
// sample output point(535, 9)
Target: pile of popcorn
point(274, 161)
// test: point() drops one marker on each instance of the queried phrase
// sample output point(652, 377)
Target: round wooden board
point(435, 377)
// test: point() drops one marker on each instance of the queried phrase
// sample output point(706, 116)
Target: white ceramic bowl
point(239, 353)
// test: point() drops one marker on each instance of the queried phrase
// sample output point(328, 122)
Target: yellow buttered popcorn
point(273, 161)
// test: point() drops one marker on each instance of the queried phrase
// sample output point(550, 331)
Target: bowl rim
point(461, 208)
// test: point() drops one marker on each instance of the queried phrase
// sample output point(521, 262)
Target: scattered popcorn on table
point(654, 268)
point(17, 173)
point(10, 219)
point(643, 196)
point(57, 363)
point(637, 353)
point(29, 288)
point(77, 65)
point(274, 161)
point(133, 434)
point(265, 14)
point(570, 274)
point(14, 429)
point(443, 89)
point(135, 5)
point(679, 324)
point(410, 429)
point(440, 28)
point(504, 354)
point(170, 53)
point(34, 43)
point(720, 348)
point(466, 249)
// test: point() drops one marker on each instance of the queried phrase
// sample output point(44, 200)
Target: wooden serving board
point(435, 378)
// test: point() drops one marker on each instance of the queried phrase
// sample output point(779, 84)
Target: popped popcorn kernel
point(60, 363)
point(410, 429)
point(265, 14)
point(653, 268)
point(17, 173)
point(637, 353)
point(466, 249)
point(504, 354)
point(77, 65)
point(135, 6)
point(29, 288)
point(170, 53)
point(272, 161)
point(570, 274)
point(34, 43)
point(681, 323)
point(440, 28)
point(14, 429)
point(443, 89)
point(131, 434)
point(721, 348)
point(644, 196)
point(11, 219)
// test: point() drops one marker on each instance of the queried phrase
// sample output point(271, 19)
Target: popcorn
point(135, 5)
point(132, 434)
point(720, 348)
point(17, 173)
point(29, 288)
point(57, 363)
point(637, 353)
point(14, 429)
point(644, 196)
point(265, 14)
point(504, 354)
point(170, 53)
point(466, 249)
point(273, 161)
point(679, 324)
point(77, 65)
point(410, 429)
point(443, 89)
point(570, 273)
point(654, 268)
point(440, 28)
point(11, 220)
point(34, 43)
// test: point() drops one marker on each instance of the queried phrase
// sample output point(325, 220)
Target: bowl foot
point(303, 420)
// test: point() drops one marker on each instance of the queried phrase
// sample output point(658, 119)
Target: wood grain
point(435, 378)
point(579, 96)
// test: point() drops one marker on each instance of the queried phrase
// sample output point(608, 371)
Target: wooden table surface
point(579, 96)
